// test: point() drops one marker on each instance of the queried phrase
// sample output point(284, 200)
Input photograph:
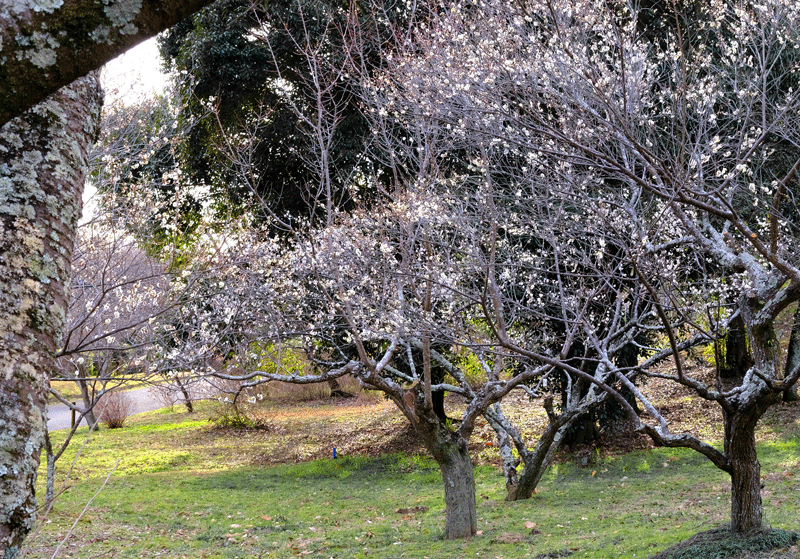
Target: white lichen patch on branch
point(41, 53)
point(122, 13)
point(102, 34)
point(46, 6)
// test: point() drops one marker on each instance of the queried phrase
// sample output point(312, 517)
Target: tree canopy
point(276, 76)
point(626, 184)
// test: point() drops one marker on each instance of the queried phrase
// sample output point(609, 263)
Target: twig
point(83, 512)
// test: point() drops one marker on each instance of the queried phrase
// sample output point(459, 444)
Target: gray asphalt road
point(60, 417)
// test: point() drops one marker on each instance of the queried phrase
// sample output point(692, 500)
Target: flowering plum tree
point(116, 290)
point(130, 267)
point(676, 149)
point(567, 182)
point(388, 291)
point(367, 295)
point(353, 295)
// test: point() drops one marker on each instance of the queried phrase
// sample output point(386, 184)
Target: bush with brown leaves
point(114, 409)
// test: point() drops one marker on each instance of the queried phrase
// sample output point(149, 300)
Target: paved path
point(60, 416)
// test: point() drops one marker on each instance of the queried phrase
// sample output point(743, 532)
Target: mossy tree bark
point(43, 157)
point(461, 517)
point(53, 43)
point(734, 356)
point(452, 455)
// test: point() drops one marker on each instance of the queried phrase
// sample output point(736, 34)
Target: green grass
point(183, 489)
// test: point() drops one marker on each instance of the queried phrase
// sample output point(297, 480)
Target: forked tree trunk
point(42, 169)
point(536, 462)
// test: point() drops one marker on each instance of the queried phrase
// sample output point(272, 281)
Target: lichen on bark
point(42, 170)
point(122, 14)
point(46, 44)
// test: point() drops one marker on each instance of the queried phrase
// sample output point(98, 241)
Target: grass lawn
point(184, 488)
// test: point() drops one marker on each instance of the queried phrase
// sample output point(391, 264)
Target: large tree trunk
point(743, 415)
point(461, 517)
point(42, 170)
point(740, 445)
point(450, 450)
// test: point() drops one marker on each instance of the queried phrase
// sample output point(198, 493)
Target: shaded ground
point(371, 426)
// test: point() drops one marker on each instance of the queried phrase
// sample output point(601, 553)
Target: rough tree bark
point(793, 357)
point(461, 518)
point(734, 356)
point(745, 470)
point(451, 452)
point(46, 44)
point(742, 415)
point(43, 157)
